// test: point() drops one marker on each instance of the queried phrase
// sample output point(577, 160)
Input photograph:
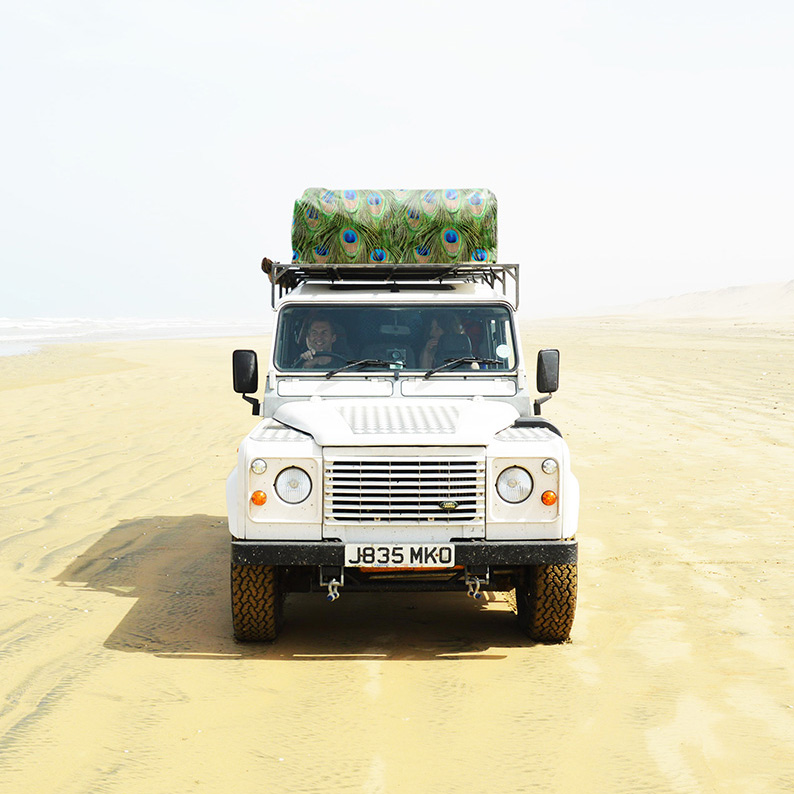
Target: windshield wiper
point(364, 362)
point(456, 362)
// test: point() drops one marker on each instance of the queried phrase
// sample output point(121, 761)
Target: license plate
point(399, 555)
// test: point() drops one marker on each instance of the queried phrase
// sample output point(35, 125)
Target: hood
point(391, 422)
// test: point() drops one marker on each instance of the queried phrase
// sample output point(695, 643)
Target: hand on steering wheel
point(318, 354)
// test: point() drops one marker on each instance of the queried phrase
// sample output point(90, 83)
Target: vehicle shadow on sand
point(175, 571)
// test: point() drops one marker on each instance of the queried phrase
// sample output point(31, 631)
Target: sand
point(119, 673)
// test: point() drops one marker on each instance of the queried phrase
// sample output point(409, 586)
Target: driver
point(320, 338)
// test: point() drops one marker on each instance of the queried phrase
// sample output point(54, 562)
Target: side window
point(291, 339)
point(504, 349)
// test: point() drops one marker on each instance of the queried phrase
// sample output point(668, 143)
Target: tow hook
point(333, 577)
point(333, 590)
point(473, 583)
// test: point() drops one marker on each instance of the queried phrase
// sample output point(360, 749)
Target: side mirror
point(245, 373)
point(548, 375)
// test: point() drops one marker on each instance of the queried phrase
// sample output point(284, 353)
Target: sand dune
point(120, 674)
point(761, 301)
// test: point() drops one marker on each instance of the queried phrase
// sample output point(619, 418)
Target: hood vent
point(397, 419)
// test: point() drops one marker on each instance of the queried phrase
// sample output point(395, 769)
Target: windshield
point(458, 339)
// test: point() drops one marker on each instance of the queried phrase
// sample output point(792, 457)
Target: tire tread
point(257, 602)
point(546, 602)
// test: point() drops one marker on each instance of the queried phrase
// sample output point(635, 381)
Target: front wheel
point(257, 602)
point(546, 601)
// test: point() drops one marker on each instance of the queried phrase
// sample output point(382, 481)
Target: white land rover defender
point(400, 448)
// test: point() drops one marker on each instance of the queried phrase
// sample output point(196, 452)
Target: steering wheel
point(320, 354)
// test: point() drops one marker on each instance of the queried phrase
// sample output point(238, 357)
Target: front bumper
point(507, 553)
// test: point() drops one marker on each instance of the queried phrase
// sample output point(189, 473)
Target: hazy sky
point(152, 151)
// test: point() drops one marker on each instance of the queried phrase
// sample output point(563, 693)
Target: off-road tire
point(546, 601)
point(257, 602)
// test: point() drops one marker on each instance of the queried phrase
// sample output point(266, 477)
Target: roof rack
point(285, 278)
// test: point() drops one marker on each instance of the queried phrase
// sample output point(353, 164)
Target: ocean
point(27, 335)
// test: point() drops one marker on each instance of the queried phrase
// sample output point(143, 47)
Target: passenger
point(440, 323)
point(320, 339)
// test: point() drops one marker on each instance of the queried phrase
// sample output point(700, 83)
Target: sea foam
point(26, 335)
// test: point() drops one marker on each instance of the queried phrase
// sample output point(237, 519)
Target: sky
point(152, 151)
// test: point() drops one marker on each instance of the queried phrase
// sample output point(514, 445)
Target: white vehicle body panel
point(397, 420)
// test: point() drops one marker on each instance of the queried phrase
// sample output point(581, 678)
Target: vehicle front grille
point(403, 490)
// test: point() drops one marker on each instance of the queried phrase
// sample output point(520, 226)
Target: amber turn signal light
point(258, 497)
point(549, 498)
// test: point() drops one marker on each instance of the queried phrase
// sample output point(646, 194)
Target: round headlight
point(514, 484)
point(549, 466)
point(258, 466)
point(293, 485)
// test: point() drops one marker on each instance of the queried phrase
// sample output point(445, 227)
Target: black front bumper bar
point(499, 552)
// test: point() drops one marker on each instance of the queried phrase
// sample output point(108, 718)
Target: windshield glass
point(388, 337)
